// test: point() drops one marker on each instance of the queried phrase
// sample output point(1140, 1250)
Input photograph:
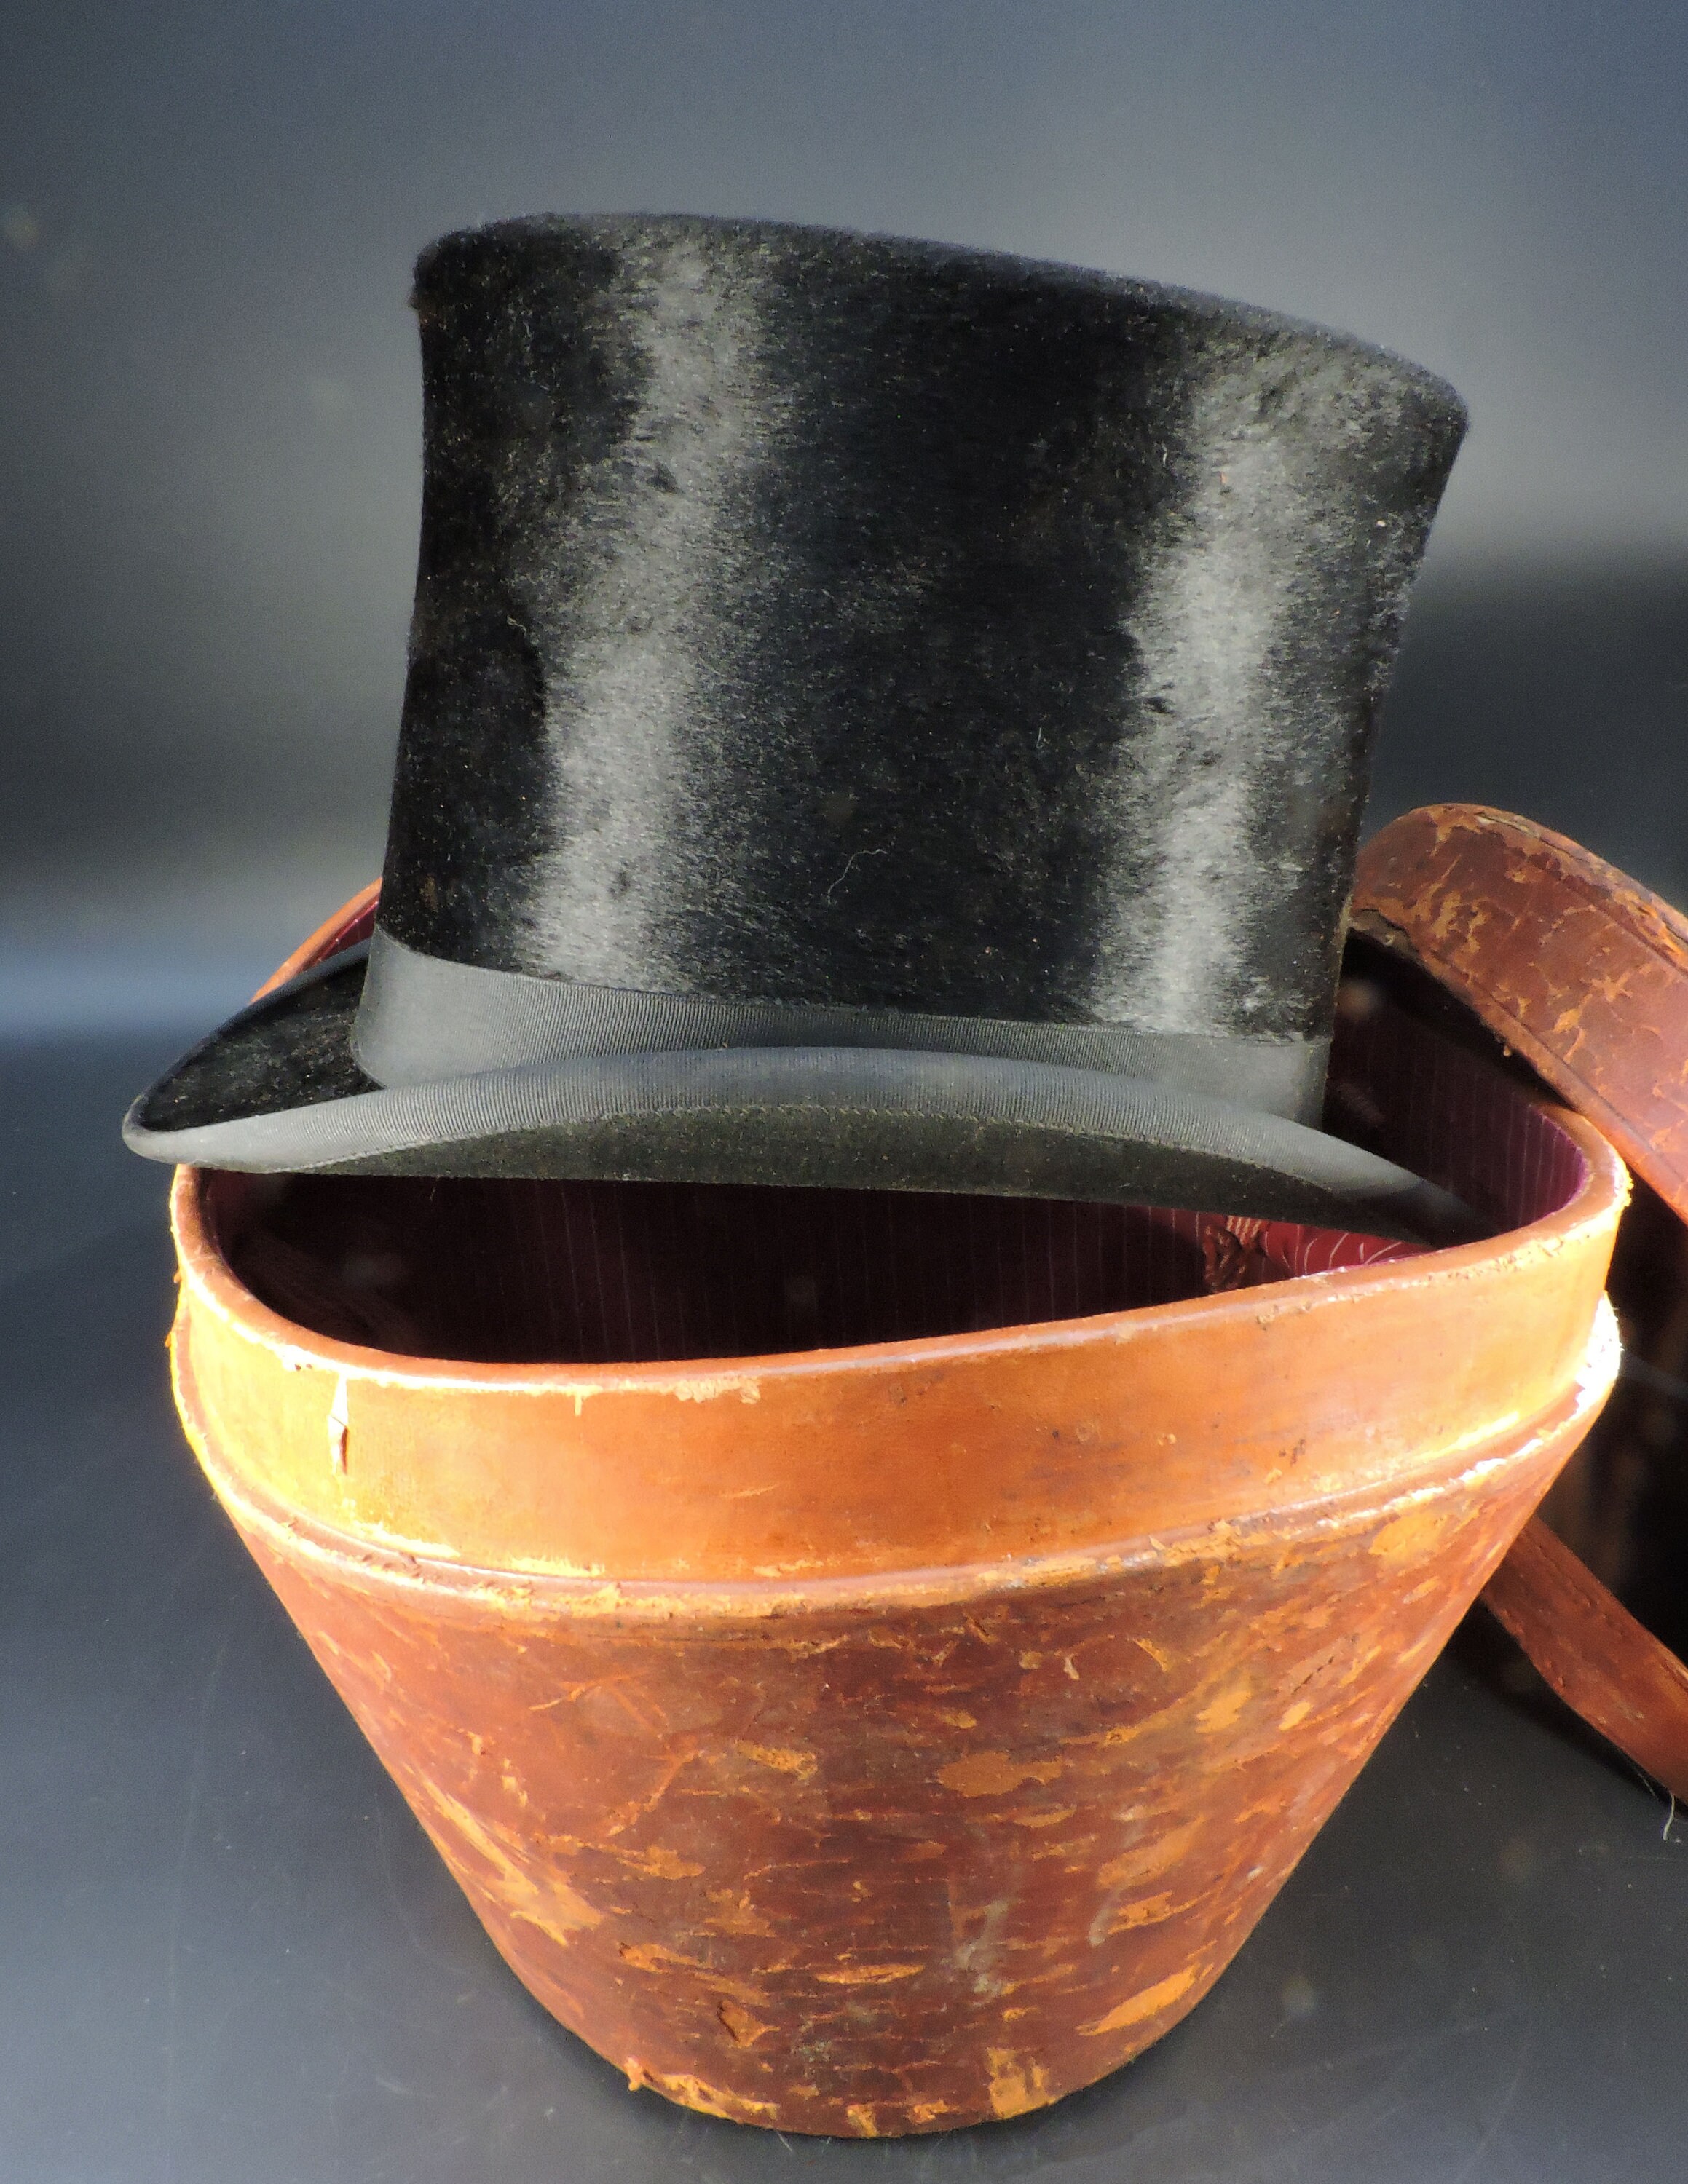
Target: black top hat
point(877, 714)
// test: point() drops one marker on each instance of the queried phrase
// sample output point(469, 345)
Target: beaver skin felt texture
point(943, 682)
point(819, 618)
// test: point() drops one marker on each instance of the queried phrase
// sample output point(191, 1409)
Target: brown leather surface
point(1593, 1653)
point(906, 1856)
point(890, 1738)
point(1584, 973)
point(1567, 960)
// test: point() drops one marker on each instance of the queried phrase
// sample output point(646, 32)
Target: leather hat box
point(868, 1707)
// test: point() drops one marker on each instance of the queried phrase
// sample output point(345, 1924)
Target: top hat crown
point(876, 712)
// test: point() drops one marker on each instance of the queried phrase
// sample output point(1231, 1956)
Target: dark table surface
point(228, 1955)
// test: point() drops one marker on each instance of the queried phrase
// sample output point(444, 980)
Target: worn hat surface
point(878, 714)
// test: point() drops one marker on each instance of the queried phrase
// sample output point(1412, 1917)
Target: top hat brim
point(278, 1090)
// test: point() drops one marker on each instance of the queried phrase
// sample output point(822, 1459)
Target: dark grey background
point(208, 462)
point(227, 1953)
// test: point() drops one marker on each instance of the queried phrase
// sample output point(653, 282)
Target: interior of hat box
point(516, 1271)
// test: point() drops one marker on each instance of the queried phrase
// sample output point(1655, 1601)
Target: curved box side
point(877, 1751)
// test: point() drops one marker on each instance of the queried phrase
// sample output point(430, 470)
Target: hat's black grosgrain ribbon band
point(423, 1019)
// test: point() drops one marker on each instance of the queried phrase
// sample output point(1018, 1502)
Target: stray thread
point(849, 864)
